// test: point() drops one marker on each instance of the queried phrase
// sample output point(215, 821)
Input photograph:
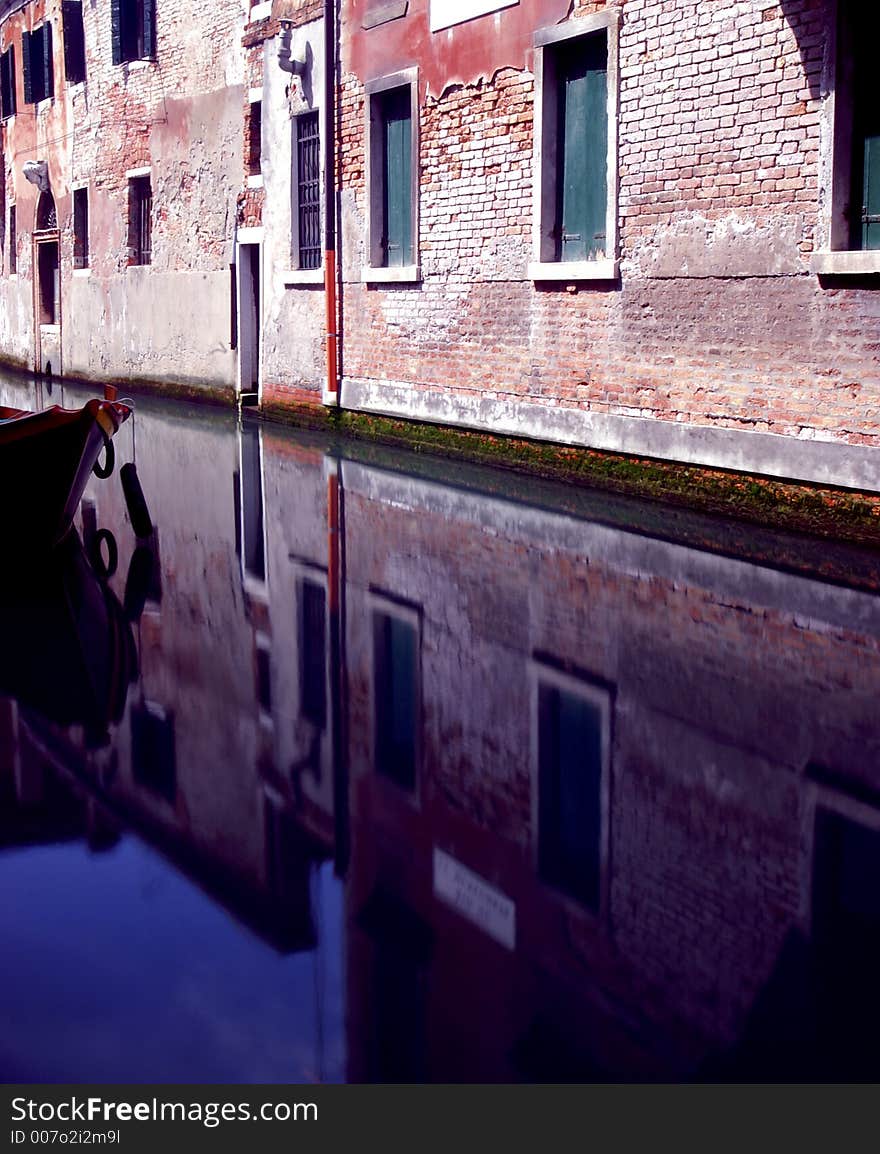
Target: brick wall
point(716, 319)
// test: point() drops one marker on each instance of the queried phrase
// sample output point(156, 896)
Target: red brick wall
point(716, 319)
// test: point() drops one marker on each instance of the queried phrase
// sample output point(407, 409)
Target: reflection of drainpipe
point(330, 198)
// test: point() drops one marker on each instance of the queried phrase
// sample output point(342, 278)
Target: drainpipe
point(330, 201)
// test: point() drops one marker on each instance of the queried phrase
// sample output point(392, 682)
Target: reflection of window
point(573, 737)
point(575, 148)
point(264, 675)
point(313, 653)
point(37, 65)
point(133, 29)
point(74, 41)
point(154, 760)
point(7, 83)
point(307, 187)
point(140, 220)
point(252, 530)
point(396, 693)
point(80, 228)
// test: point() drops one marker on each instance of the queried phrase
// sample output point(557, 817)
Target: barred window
point(140, 220)
point(308, 190)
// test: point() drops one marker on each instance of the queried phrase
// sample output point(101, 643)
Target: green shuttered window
point(74, 41)
point(582, 132)
point(871, 203)
point(396, 127)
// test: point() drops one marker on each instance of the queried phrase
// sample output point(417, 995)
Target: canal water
point(366, 766)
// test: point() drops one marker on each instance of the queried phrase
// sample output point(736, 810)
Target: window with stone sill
point(392, 151)
point(851, 161)
point(74, 41)
point(575, 150)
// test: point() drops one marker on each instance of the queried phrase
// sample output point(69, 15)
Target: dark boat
point(45, 462)
point(68, 653)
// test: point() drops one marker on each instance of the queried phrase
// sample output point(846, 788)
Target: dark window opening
point(13, 241)
point(153, 752)
point(49, 283)
point(395, 656)
point(80, 228)
point(582, 149)
point(569, 793)
point(140, 220)
point(308, 190)
point(255, 138)
point(37, 64)
point(133, 30)
point(313, 653)
point(74, 41)
point(7, 83)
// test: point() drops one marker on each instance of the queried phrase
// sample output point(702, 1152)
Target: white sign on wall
point(475, 899)
point(445, 13)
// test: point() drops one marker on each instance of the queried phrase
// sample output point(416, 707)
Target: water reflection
point(418, 779)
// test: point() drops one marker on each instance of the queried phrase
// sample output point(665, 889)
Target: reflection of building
point(611, 799)
point(615, 833)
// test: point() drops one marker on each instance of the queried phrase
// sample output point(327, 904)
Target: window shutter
point(26, 67)
point(48, 63)
point(583, 133)
point(871, 214)
point(149, 28)
point(397, 175)
point(7, 83)
point(116, 30)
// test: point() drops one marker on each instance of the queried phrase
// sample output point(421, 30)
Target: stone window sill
point(295, 276)
point(573, 270)
point(255, 180)
point(853, 263)
point(82, 272)
point(400, 274)
point(260, 12)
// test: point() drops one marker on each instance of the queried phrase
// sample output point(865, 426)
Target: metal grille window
point(308, 190)
point(7, 83)
point(140, 220)
point(80, 228)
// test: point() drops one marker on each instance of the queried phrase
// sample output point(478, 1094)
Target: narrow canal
point(369, 767)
